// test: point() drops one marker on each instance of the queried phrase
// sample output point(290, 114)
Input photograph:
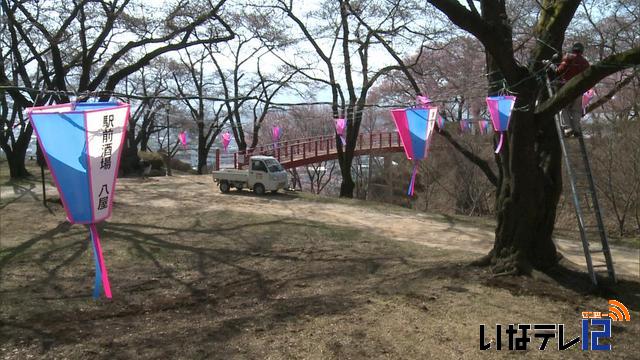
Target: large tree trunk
point(347, 185)
point(130, 161)
point(17, 153)
point(202, 149)
point(17, 168)
point(528, 193)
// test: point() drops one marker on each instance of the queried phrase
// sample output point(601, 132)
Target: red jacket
point(572, 65)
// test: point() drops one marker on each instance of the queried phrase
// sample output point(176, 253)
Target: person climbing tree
point(572, 64)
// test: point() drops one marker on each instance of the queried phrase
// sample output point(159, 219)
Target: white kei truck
point(264, 174)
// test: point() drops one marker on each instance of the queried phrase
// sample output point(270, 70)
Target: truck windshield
point(273, 165)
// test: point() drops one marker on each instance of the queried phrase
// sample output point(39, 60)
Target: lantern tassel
point(101, 270)
point(500, 142)
point(413, 179)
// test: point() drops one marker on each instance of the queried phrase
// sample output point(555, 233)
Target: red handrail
point(318, 146)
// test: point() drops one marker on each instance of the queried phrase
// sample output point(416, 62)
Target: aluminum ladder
point(585, 200)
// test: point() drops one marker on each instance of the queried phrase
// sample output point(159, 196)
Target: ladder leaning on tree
point(585, 200)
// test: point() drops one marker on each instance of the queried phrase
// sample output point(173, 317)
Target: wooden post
point(380, 144)
point(304, 150)
point(291, 153)
point(316, 142)
point(370, 141)
point(360, 141)
point(390, 141)
point(328, 144)
point(217, 167)
point(235, 160)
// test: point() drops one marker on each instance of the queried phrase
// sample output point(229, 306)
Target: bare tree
point(209, 117)
point(344, 45)
point(529, 182)
point(81, 50)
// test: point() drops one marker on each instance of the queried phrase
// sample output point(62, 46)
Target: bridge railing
point(297, 150)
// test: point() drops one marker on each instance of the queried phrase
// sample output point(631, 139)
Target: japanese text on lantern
point(105, 161)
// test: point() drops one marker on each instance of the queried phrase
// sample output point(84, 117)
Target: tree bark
point(202, 149)
point(529, 190)
point(16, 155)
point(17, 168)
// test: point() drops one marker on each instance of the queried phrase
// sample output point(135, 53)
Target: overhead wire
point(444, 96)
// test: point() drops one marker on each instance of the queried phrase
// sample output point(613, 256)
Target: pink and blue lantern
point(500, 108)
point(82, 144)
point(226, 139)
point(484, 126)
point(465, 126)
point(184, 139)
point(440, 122)
point(276, 134)
point(341, 125)
point(415, 127)
point(586, 99)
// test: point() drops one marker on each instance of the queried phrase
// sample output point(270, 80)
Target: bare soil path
point(198, 274)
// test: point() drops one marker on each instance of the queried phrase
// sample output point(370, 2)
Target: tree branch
point(587, 79)
point(481, 163)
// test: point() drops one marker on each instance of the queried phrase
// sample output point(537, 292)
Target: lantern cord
point(102, 273)
point(500, 142)
point(413, 178)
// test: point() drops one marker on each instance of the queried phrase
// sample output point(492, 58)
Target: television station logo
point(595, 325)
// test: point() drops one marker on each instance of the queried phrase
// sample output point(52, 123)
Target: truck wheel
point(258, 189)
point(239, 188)
point(224, 187)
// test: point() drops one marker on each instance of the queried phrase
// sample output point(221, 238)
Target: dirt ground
point(197, 274)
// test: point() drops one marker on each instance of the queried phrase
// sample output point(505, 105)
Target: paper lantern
point(226, 139)
point(184, 139)
point(484, 126)
point(500, 108)
point(341, 125)
point(415, 127)
point(276, 134)
point(82, 144)
point(465, 126)
point(586, 99)
point(440, 122)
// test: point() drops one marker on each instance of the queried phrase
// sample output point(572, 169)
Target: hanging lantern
point(500, 108)
point(586, 99)
point(465, 126)
point(276, 133)
point(484, 126)
point(226, 139)
point(440, 122)
point(184, 139)
point(415, 127)
point(82, 144)
point(341, 125)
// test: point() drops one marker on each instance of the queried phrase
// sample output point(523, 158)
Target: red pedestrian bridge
point(301, 152)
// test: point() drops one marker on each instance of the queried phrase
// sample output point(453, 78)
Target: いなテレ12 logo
point(596, 326)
